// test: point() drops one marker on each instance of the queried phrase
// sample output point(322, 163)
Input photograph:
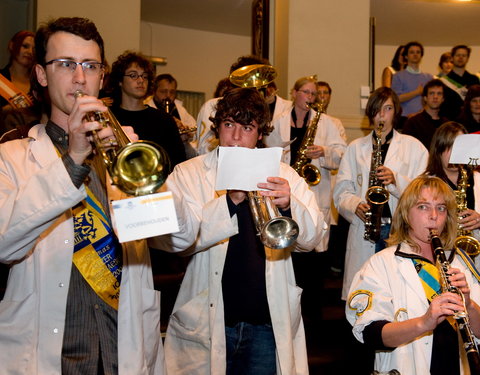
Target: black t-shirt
point(156, 126)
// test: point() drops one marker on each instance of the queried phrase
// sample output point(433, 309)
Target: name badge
point(145, 216)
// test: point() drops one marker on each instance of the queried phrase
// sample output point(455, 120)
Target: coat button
point(60, 285)
point(55, 330)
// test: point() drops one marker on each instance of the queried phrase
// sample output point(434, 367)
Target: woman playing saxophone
point(396, 302)
point(325, 146)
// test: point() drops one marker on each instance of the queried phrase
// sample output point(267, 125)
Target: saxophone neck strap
point(469, 263)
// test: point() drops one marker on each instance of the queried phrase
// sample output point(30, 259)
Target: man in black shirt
point(458, 81)
point(129, 84)
point(423, 124)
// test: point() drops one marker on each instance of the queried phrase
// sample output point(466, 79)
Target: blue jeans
point(250, 350)
point(384, 233)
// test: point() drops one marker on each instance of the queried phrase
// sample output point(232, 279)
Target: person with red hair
point(21, 61)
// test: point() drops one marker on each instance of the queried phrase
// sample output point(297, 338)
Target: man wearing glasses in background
point(129, 84)
point(76, 302)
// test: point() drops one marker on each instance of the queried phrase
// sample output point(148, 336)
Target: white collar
point(411, 70)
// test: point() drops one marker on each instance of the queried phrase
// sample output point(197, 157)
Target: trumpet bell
point(140, 168)
point(279, 233)
point(257, 75)
point(468, 244)
point(275, 231)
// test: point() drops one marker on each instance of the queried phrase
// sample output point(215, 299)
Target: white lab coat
point(406, 157)
point(331, 136)
point(36, 239)
point(206, 138)
point(388, 288)
point(195, 342)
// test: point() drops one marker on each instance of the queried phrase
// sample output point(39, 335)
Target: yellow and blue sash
point(97, 253)
point(430, 279)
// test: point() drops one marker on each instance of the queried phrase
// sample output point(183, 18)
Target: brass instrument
point(302, 165)
point(257, 76)
point(275, 231)
point(376, 196)
point(187, 130)
point(137, 168)
point(461, 317)
point(464, 240)
point(167, 105)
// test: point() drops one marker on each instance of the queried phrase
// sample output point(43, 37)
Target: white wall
point(331, 39)
point(118, 21)
point(197, 59)
point(384, 55)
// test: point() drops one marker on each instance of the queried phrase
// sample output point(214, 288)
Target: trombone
point(137, 168)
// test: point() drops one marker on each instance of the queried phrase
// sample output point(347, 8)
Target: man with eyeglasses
point(76, 302)
point(129, 84)
point(165, 96)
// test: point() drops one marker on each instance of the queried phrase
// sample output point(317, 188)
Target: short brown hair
point(243, 105)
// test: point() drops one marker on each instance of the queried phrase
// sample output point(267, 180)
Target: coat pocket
point(190, 321)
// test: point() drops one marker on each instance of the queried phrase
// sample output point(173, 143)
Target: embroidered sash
point(97, 252)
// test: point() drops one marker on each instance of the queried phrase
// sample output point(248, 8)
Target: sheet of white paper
point(466, 149)
point(243, 168)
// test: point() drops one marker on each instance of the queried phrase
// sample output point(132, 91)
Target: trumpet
point(461, 317)
point(275, 231)
point(137, 168)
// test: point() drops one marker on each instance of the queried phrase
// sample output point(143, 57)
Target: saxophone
point(464, 240)
point(461, 317)
point(376, 195)
point(303, 166)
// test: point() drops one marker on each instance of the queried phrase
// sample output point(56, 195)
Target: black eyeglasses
point(69, 66)
point(135, 76)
